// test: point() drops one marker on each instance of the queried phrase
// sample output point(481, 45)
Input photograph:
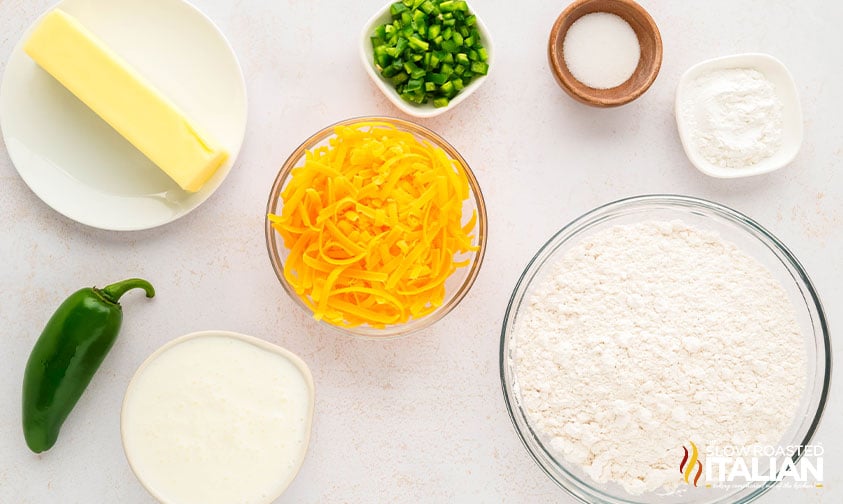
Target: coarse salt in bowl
point(749, 238)
point(649, 44)
point(457, 283)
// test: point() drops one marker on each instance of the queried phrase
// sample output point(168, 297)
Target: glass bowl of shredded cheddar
point(376, 226)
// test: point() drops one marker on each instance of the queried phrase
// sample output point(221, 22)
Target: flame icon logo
point(689, 462)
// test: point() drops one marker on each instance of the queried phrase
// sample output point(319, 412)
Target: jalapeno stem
point(113, 292)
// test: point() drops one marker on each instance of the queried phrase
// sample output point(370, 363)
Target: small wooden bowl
point(645, 73)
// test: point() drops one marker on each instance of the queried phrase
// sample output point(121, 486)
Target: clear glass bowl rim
point(572, 231)
point(451, 300)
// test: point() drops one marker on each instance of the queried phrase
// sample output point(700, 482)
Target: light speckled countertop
point(420, 419)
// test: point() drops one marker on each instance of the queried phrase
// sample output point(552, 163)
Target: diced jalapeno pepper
point(430, 50)
point(397, 8)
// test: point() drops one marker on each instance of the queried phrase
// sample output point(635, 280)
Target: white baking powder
point(601, 50)
point(645, 337)
point(734, 117)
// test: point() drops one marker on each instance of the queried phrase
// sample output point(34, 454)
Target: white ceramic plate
point(79, 165)
point(426, 110)
point(775, 71)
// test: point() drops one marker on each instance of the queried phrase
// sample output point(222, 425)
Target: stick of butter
point(124, 99)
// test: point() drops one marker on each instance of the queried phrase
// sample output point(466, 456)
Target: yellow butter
point(124, 99)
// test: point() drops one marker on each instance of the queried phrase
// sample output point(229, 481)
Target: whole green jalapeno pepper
point(67, 354)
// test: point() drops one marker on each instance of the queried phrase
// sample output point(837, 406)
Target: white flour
point(647, 336)
point(734, 117)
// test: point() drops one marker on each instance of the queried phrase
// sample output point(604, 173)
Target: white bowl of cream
point(218, 417)
point(739, 115)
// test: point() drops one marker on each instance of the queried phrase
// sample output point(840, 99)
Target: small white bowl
point(426, 110)
point(775, 71)
point(132, 417)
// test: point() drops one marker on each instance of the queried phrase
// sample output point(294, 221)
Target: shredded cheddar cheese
point(373, 222)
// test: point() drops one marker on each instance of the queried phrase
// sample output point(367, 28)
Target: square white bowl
point(427, 109)
point(775, 71)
